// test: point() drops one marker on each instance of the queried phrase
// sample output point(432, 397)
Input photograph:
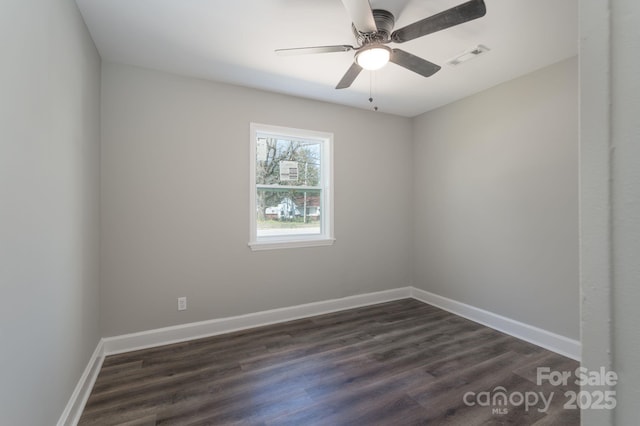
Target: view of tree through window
point(288, 186)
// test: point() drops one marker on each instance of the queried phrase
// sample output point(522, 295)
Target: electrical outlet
point(182, 303)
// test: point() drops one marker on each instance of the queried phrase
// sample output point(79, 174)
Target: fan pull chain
point(375, 107)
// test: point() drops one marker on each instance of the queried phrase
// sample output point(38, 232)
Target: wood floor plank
point(395, 363)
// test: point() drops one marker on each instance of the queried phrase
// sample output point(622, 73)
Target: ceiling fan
point(373, 31)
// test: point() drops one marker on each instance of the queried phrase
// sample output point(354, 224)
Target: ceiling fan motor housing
point(384, 22)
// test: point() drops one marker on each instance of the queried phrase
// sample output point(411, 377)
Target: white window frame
point(293, 241)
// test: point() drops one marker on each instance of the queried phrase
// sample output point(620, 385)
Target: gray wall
point(49, 160)
point(496, 200)
point(610, 201)
point(625, 96)
point(595, 198)
point(175, 202)
point(488, 204)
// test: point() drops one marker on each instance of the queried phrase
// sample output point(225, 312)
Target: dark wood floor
point(396, 363)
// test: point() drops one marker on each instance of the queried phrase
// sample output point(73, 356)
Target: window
point(291, 187)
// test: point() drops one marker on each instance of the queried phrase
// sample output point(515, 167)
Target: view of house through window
point(287, 180)
point(291, 176)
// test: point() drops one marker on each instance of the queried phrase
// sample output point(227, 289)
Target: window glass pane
point(287, 161)
point(282, 212)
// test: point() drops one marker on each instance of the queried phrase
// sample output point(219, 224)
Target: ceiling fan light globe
point(373, 58)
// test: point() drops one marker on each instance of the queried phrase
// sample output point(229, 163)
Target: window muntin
point(291, 197)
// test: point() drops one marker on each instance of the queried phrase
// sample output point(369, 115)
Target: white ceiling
point(233, 41)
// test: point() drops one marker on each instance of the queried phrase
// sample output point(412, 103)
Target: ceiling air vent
point(468, 55)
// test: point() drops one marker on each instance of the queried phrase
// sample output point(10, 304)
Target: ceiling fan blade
point(315, 49)
point(350, 76)
point(462, 13)
point(361, 15)
point(413, 63)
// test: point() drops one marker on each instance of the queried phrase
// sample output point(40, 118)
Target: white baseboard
point(180, 333)
point(546, 339)
point(184, 332)
point(75, 406)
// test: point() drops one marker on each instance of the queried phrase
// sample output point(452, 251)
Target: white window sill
point(286, 243)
